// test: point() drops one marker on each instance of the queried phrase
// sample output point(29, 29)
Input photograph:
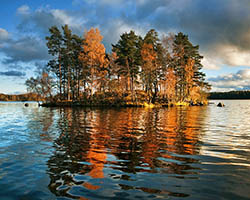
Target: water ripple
point(132, 153)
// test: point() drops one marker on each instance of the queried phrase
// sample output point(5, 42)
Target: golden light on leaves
point(94, 56)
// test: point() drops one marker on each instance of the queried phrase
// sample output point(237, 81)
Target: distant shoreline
point(232, 95)
point(229, 99)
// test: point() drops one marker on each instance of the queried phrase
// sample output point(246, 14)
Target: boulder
point(220, 104)
point(26, 104)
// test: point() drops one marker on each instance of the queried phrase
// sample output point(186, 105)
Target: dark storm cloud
point(213, 21)
point(217, 26)
point(207, 22)
point(25, 49)
point(13, 73)
point(221, 28)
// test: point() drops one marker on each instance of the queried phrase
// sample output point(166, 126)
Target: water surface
point(127, 153)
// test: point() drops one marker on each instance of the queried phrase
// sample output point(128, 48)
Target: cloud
point(41, 19)
point(233, 81)
point(210, 64)
point(219, 27)
point(25, 49)
point(232, 55)
point(105, 2)
point(23, 10)
point(17, 67)
point(13, 73)
point(4, 35)
point(118, 27)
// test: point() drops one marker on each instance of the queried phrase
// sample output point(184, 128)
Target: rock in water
point(26, 104)
point(220, 104)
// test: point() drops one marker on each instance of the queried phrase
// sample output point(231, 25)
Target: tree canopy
point(139, 69)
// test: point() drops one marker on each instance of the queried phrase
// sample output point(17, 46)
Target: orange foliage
point(94, 56)
point(93, 48)
point(170, 84)
point(195, 94)
point(189, 71)
point(149, 66)
point(148, 54)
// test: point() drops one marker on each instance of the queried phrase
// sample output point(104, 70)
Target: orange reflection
point(90, 186)
point(97, 155)
point(136, 139)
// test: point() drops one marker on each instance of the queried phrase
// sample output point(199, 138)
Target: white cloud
point(115, 28)
point(244, 74)
point(64, 18)
point(40, 20)
point(23, 10)
point(4, 35)
point(233, 81)
point(233, 56)
point(210, 64)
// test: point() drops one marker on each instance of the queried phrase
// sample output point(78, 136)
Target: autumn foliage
point(137, 71)
point(94, 57)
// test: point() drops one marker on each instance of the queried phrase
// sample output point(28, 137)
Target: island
point(139, 71)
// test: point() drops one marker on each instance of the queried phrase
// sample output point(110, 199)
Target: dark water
point(132, 153)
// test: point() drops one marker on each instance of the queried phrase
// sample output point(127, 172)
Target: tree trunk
point(68, 84)
point(60, 77)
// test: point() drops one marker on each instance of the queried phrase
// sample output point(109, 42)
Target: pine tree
point(128, 52)
point(152, 63)
point(55, 48)
point(186, 62)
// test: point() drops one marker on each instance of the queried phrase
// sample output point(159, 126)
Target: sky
point(221, 28)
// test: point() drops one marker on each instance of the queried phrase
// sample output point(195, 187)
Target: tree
point(152, 63)
point(148, 67)
point(41, 85)
point(32, 85)
point(65, 48)
point(128, 52)
point(55, 48)
point(169, 69)
point(170, 85)
point(78, 71)
point(114, 82)
point(187, 64)
point(189, 77)
point(94, 56)
point(72, 48)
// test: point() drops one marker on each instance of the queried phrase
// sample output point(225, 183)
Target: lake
point(126, 153)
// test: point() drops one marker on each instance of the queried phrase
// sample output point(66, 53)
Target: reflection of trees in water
point(140, 140)
point(71, 150)
point(154, 134)
point(80, 150)
point(39, 121)
point(180, 138)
